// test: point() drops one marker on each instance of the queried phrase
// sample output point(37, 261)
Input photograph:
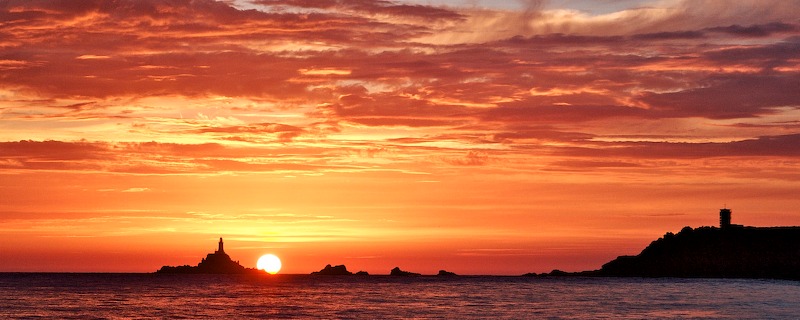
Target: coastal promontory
point(727, 251)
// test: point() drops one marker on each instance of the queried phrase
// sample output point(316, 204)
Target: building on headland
point(725, 219)
point(730, 251)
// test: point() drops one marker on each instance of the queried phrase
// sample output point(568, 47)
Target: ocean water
point(140, 296)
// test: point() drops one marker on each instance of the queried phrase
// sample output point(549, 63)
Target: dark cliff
point(710, 252)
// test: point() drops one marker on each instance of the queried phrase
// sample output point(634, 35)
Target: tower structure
point(221, 250)
point(724, 218)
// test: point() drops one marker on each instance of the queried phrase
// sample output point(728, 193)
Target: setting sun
point(269, 263)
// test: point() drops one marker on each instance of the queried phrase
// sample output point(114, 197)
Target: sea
point(176, 296)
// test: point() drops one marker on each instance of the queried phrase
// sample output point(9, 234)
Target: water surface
point(93, 296)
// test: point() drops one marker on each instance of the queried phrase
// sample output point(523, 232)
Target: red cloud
point(766, 146)
point(370, 7)
point(52, 150)
point(368, 63)
point(284, 133)
point(735, 96)
point(154, 157)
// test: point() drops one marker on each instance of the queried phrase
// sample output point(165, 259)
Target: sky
point(478, 137)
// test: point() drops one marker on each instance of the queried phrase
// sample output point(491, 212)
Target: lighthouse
point(220, 250)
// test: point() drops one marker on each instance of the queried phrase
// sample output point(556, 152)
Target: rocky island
point(445, 273)
point(727, 251)
point(400, 273)
point(340, 270)
point(214, 263)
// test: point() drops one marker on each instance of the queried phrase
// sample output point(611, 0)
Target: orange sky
point(428, 135)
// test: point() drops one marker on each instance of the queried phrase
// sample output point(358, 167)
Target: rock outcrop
point(339, 270)
point(445, 273)
point(397, 272)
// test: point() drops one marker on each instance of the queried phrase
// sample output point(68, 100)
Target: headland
point(727, 251)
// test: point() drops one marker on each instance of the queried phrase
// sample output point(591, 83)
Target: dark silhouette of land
point(445, 273)
point(339, 270)
point(214, 263)
point(397, 272)
point(558, 273)
point(708, 252)
point(727, 251)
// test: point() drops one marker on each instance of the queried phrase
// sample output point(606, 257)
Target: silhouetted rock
point(362, 273)
point(554, 273)
point(729, 252)
point(339, 270)
point(397, 272)
point(445, 273)
point(214, 263)
point(559, 273)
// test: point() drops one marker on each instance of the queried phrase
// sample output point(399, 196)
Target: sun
point(269, 263)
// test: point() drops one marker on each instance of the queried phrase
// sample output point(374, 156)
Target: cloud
point(472, 158)
point(765, 146)
point(762, 30)
point(170, 158)
point(666, 19)
point(767, 57)
point(670, 35)
point(53, 150)
point(518, 134)
point(371, 7)
point(180, 47)
point(522, 112)
point(593, 165)
point(309, 77)
point(391, 110)
point(103, 156)
point(730, 96)
point(283, 132)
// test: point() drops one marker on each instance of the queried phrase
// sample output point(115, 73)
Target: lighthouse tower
point(220, 250)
